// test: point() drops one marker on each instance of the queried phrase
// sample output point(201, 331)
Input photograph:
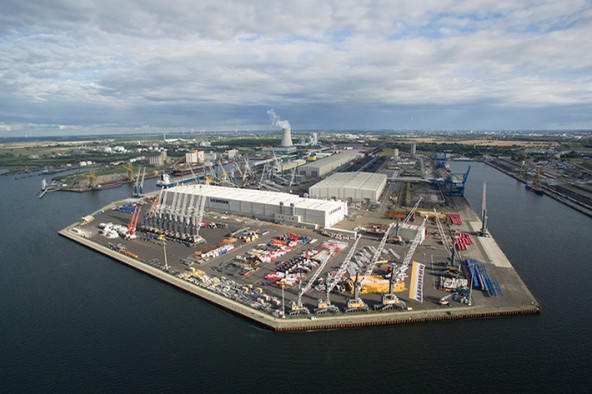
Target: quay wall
point(305, 324)
point(566, 200)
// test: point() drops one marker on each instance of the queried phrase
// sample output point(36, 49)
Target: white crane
point(141, 190)
point(377, 253)
point(356, 304)
point(137, 184)
point(297, 307)
point(390, 300)
point(411, 213)
point(442, 233)
point(247, 171)
point(341, 270)
point(292, 178)
point(200, 213)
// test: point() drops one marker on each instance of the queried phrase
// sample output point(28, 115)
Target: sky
point(109, 66)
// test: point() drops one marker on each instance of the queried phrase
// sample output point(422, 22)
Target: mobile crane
point(326, 306)
point(390, 300)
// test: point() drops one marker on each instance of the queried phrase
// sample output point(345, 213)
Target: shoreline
point(565, 200)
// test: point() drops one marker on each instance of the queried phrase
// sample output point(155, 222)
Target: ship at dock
point(166, 181)
point(533, 187)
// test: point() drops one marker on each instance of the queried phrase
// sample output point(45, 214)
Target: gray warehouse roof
point(353, 180)
point(338, 158)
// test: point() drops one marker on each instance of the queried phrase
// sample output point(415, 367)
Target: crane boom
point(200, 212)
point(156, 202)
point(377, 253)
point(343, 266)
point(411, 213)
point(141, 190)
point(399, 275)
point(442, 233)
point(314, 277)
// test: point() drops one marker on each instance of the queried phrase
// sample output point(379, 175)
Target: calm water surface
point(75, 321)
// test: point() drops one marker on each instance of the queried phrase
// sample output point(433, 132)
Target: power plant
point(286, 137)
point(297, 245)
point(286, 128)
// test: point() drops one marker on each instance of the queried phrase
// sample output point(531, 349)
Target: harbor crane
point(453, 253)
point(92, 178)
point(131, 227)
point(292, 179)
point(326, 306)
point(247, 172)
point(484, 232)
point(390, 300)
point(139, 184)
point(356, 304)
point(297, 307)
point(396, 237)
point(129, 168)
point(150, 218)
point(142, 182)
point(198, 215)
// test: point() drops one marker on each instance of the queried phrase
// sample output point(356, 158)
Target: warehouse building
point(320, 168)
point(354, 186)
point(279, 207)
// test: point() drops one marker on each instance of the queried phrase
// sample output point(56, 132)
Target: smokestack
point(284, 125)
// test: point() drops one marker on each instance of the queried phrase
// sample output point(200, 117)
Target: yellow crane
point(92, 178)
point(130, 171)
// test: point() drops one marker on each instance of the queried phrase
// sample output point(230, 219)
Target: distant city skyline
point(110, 67)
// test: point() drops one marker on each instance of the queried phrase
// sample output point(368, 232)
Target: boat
point(534, 188)
point(166, 181)
point(184, 171)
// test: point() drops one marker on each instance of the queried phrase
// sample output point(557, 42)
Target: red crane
point(131, 227)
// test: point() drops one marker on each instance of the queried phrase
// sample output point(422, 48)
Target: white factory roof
point(353, 180)
point(257, 196)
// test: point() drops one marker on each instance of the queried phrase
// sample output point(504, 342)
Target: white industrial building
point(355, 186)
point(279, 207)
point(194, 157)
point(320, 168)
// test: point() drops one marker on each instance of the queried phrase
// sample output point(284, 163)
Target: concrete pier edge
point(305, 324)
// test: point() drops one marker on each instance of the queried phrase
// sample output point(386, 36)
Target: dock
point(517, 299)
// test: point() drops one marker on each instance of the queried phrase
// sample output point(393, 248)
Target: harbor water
point(73, 320)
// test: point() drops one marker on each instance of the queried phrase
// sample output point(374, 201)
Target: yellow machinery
point(92, 178)
point(130, 171)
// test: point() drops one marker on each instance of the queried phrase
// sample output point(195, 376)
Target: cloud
point(124, 64)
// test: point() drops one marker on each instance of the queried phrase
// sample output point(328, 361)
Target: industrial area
point(309, 238)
